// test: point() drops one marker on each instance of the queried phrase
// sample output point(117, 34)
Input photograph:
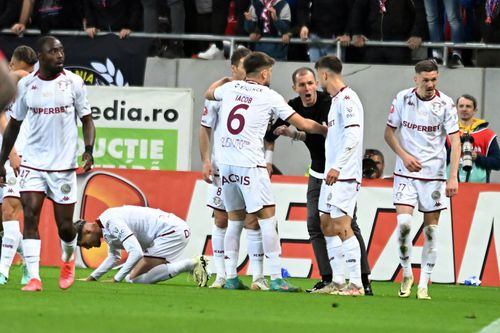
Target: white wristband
point(268, 155)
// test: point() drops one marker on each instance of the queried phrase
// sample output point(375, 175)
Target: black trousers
point(316, 235)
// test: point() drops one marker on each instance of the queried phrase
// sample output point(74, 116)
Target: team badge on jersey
point(12, 181)
point(62, 85)
point(66, 188)
point(437, 108)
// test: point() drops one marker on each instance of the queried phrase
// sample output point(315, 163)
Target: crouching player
point(153, 240)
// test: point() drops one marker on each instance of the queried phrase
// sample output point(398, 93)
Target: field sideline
point(178, 306)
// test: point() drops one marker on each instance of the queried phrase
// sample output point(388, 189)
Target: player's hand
point(206, 172)
point(254, 36)
point(124, 33)
point(15, 163)
point(88, 161)
point(332, 176)
point(18, 28)
point(344, 40)
point(451, 187)
point(359, 40)
point(411, 163)
point(91, 31)
point(2, 176)
point(283, 130)
point(304, 33)
point(414, 42)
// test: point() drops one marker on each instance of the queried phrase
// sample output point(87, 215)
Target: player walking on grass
point(21, 64)
point(52, 99)
point(244, 115)
point(153, 240)
point(343, 172)
point(215, 198)
point(424, 116)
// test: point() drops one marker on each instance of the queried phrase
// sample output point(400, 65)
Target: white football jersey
point(52, 108)
point(22, 137)
point(346, 111)
point(209, 119)
point(244, 117)
point(146, 224)
point(423, 126)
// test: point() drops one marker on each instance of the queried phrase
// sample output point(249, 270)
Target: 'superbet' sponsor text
point(421, 128)
point(55, 110)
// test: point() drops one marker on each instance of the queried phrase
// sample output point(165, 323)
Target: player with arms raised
point(424, 117)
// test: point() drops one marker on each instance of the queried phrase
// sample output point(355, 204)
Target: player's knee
point(67, 231)
point(10, 212)
point(404, 225)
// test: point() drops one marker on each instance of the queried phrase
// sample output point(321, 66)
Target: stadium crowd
point(350, 22)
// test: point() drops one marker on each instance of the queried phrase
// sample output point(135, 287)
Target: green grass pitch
point(178, 306)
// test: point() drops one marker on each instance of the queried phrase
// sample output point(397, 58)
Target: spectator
point(112, 15)
point(388, 20)
point(218, 23)
point(485, 155)
point(487, 15)
point(50, 14)
point(452, 9)
point(10, 9)
point(373, 164)
point(269, 18)
point(328, 19)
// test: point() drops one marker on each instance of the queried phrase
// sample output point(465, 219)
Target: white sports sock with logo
point(232, 247)
point(352, 255)
point(163, 272)
point(67, 249)
point(10, 242)
point(429, 255)
point(271, 245)
point(336, 257)
point(255, 253)
point(218, 235)
point(405, 243)
point(31, 249)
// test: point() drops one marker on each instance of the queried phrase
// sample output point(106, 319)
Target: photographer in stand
point(480, 151)
point(373, 164)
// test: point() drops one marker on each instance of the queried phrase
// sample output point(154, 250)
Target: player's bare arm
point(410, 162)
point(452, 183)
point(204, 138)
point(308, 125)
point(209, 94)
point(88, 129)
point(290, 132)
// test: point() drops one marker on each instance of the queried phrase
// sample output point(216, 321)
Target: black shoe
point(368, 289)
point(455, 61)
point(318, 286)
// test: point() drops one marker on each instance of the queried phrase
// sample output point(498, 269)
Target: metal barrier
point(233, 40)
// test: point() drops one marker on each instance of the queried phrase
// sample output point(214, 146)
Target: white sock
point(255, 253)
point(218, 235)
point(336, 257)
point(10, 242)
point(67, 249)
point(352, 253)
point(271, 245)
point(163, 272)
point(31, 249)
point(429, 255)
point(232, 247)
point(405, 243)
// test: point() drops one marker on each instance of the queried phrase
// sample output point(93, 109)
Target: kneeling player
point(153, 240)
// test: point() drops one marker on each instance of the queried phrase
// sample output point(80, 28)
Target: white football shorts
point(429, 195)
point(338, 199)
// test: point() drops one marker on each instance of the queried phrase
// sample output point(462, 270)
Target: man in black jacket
point(388, 20)
point(315, 105)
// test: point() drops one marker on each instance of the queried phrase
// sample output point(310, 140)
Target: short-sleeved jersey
point(244, 117)
point(346, 111)
point(209, 119)
point(423, 126)
point(52, 108)
point(144, 223)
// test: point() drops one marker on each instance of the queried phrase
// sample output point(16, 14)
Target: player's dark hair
point(40, 43)
point(470, 98)
point(26, 54)
point(426, 66)
point(256, 61)
point(79, 229)
point(302, 71)
point(330, 63)
point(238, 54)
